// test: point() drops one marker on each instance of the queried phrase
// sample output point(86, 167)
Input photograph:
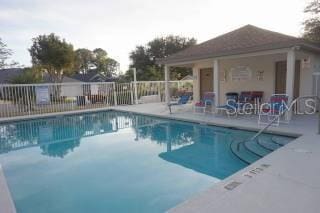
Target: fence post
point(135, 85)
point(28, 101)
point(159, 91)
point(167, 83)
point(115, 94)
point(131, 92)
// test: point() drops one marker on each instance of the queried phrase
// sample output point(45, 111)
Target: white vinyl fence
point(32, 99)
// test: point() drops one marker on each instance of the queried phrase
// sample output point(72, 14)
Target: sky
point(118, 26)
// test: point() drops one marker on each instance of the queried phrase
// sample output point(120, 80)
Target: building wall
point(255, 64)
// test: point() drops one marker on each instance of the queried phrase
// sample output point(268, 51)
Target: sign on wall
point(240, 73)
point(42, 95)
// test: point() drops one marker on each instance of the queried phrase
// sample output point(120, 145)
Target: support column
point(291, 60)
point(216, 82)
point(167, 86)
point(196, 84)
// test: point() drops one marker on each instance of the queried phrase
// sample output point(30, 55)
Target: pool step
point(281, 140)
point(254, 147)
point(267, 143)
point(239, 149)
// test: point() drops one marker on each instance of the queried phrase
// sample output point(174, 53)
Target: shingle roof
point(6, 75)
point(91, 76)
point(47, 79)
point(246, 39)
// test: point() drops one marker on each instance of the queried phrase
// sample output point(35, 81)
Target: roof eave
point(192, 59)
point(311, 48)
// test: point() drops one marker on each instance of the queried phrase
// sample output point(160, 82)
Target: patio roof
point(247, 39)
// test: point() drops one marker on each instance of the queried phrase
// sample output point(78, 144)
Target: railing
point(157, 88)
point(296, 103)
point(267, 126)
point(33, 99)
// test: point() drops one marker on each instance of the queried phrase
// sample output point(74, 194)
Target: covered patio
point(250, 59)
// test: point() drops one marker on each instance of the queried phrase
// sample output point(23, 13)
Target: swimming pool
point(119, 162)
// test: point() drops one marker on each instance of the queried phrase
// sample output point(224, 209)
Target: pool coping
point(5, 190)
point(212, 123)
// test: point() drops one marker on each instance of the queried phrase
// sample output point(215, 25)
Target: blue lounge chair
point(183, 99)
point(232, 106)
point(207, 100)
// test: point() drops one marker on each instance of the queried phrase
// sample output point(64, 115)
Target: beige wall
point(258, 63)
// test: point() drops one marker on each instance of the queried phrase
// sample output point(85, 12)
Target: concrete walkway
point(287, 180)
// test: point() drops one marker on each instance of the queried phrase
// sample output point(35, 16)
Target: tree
point(312, 24)
point(97, 59)
point(29, 76)
point(143, 58)
point(84, 60)
point(103, 63)
point(112, 67)
point(5, 54)
point(53, 55)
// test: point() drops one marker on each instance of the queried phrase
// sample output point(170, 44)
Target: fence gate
point(124, 94)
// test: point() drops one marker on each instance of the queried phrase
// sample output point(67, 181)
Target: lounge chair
point(207, 100)
point(183, 99)
point(232, 105)
point(245, 97)
point(276, 108)
point(250, 100)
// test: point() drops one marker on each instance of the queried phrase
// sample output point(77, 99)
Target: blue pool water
point(119, 162)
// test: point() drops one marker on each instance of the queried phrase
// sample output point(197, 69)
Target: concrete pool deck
point(286, 180)
point(6, 202)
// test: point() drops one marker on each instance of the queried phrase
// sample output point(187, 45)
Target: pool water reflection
point(112, 162)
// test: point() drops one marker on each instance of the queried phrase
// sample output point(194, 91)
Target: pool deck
point(6, 202)
point(287, 180)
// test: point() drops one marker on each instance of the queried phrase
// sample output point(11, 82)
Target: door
point(281, 78)
point(206, 81)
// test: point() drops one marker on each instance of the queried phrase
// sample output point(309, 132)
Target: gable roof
point(47, 79)
point(6, 75)
point(247, 39)
point(90, 76)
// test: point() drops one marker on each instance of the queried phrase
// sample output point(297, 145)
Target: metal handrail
point(267, 126)
point(277, 117)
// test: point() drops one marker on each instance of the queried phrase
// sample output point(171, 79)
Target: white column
point(166, 79)
point(216, 81)
point(291, 61)
point(196, 84)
